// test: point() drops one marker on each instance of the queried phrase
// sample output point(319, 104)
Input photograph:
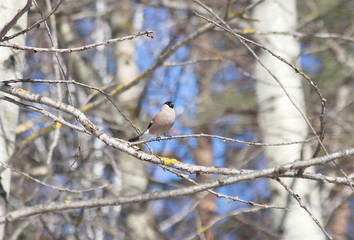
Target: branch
point(52, 81)
point(302, 205)
point(13, 21)
point(217, 219)
point(124, 146)
point(45, 208)
point(52, 207)
point(224, 139)
point(297, 34)
point(45, 113)
point(219, 195)
point(35, 25)
point(51, 186)
point(288, 169)
point(78, 49)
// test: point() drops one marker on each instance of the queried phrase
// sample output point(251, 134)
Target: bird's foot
point(168, 136)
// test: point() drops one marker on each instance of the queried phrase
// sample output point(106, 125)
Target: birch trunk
point(138, 217)
point(280, 121)
point(11, 67)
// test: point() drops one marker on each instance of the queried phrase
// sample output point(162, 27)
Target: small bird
point(161, 123)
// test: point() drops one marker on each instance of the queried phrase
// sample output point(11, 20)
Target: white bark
point(280, 121)
point(11, 66)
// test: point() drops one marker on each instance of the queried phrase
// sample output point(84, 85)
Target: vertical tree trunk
point(203, 155)
point(280, 121)
point(138, 218)
point(11, 66)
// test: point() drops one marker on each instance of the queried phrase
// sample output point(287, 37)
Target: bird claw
point(168, 136)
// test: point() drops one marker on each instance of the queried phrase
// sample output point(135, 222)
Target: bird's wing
point(150, 124)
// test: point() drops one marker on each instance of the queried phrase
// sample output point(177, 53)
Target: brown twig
point(13, 21)
point(224, 139)
point(26, 175)
point(35, 25)
point(302, 205)
point(78, 49)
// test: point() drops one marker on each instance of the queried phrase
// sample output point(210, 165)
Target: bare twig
point(51, 186)
point(13, 21)
point(218, 219)
point(45, 208)
point(219, 195)
point(57, 66)
point(78, 49)
point(224, 139)
point(107, 95)
point(169, 64)
point(298, 34)
point(302, 205)
point(35, 25)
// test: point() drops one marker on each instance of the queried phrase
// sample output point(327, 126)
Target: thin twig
point(57, 66)
point(224, 139)
point(107, 95)
point(13, 21)
point(77, 49)
point(217, 219)
point(297, 34)
point(51, 186)
point(169, 64)
point(302, 205)
point(219, 195)
point(35, 25)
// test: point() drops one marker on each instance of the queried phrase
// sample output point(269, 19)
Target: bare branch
point(13, 21)
point(78, 49)
point(218, 219)
point(302, 205)
point(224, 139)
point(51, 186)
point(107, 95)
point(298, 34)
point(45, 113)
point(125, 146)
point(35, 25)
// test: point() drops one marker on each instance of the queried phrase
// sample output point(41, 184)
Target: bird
point(161, 123)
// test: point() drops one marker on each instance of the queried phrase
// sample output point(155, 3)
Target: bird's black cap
point(170, 104)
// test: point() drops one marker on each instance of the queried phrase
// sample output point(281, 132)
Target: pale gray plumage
point(161, 123)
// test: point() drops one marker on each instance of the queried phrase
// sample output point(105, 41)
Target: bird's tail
point(134, 139)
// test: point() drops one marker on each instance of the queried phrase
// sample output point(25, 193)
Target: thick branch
point(124, 146)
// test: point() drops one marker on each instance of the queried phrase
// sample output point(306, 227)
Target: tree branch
point(13, 21)
point(78, 49)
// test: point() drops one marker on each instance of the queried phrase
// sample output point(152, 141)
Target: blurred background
point(212, 78)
